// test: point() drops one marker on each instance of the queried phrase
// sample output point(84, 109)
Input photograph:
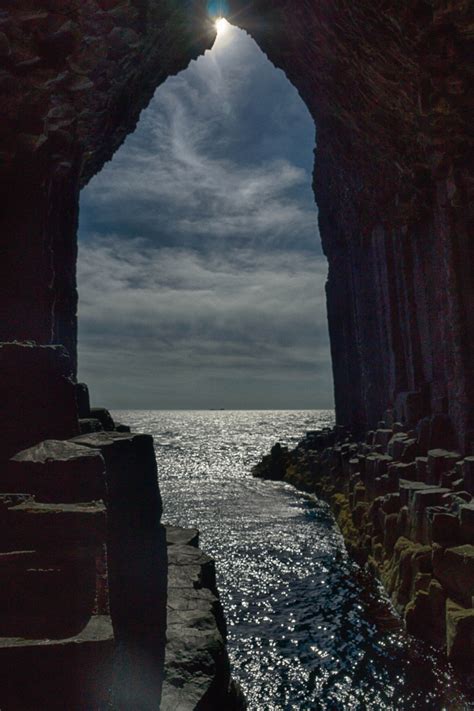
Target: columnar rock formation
point(388, 88)
point(407, 512)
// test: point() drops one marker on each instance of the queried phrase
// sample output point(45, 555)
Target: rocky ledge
point(406, 514)
point(89, 605)
point(197, 670)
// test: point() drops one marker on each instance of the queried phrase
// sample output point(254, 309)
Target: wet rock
point(119, 427)
point(273, 467)
point(197, 671)
point(182, 536)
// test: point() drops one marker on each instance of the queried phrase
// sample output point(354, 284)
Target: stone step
point(51, 594)
point(56, 472)
point(37, 526)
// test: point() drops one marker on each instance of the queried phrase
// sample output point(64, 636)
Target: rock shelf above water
point(406, 513)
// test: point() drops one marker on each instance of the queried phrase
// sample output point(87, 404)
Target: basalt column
point(389, 87)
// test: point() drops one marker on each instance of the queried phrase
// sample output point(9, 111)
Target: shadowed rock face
point(73, 79)
point(388, 89)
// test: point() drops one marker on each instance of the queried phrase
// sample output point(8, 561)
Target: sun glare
point(222, 25)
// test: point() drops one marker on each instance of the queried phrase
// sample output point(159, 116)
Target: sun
point(222, 25)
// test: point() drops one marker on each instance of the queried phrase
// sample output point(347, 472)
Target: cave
point(388, 89)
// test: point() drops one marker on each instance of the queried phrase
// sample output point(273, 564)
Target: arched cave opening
point(201, 275)
point(388, 88)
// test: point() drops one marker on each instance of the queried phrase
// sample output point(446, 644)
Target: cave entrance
point(201, 275)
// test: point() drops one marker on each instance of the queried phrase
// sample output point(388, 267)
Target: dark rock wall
point(74, 77)
point(388, 86)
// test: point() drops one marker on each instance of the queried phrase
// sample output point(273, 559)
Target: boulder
point(119, 427)
point(56, 471)
point(176, 535)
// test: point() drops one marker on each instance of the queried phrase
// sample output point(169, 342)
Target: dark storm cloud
point(200, 274)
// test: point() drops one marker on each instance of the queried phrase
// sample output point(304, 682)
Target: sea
point(307, 629)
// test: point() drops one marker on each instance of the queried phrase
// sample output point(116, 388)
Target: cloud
point(205, 163)
point(201, 278)
point(186, 314)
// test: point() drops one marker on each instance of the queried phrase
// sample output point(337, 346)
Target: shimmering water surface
point(304, 632)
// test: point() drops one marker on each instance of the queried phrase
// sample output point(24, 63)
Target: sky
point(201, 276)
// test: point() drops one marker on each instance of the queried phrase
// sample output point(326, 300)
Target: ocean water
point(306, 628)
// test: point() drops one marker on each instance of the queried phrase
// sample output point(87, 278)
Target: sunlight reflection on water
point(300, 634)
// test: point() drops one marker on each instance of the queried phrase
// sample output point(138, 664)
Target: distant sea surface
point(302, 634)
